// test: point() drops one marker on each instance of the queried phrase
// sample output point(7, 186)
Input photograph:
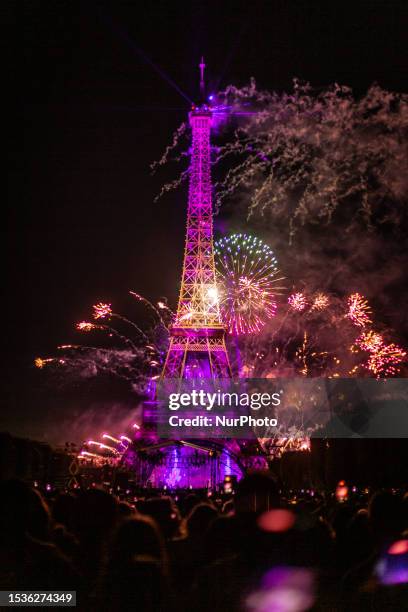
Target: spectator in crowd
point(28, 558)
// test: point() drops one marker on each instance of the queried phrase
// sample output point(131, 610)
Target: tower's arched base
point(182, 464)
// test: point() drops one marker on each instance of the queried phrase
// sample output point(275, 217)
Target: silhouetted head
point(22, 512)
point(137, 536)
point(340, 519)
point(63, 510)
point(357, 541)
point(188, 503)
point(385, 515)
point(138, 585)
point(200, 519)
point(256, 493)
point(164, 511)
point(96, 513)
point(221, 538)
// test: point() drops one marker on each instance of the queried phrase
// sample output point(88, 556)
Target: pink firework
point(297, 301)
point(386, 360)
point(102, 310)
point(370, 341)
point(358, 310)
point(86, 326)
point(102, 446)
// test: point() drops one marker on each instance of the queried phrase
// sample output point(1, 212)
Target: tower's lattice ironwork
point(197, 338)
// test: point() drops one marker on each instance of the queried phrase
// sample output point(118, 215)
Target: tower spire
point(202, 82)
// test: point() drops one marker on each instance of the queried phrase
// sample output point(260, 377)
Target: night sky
point(81, 223)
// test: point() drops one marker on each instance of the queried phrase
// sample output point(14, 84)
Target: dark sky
point(83, 225)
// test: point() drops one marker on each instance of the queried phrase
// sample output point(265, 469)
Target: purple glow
point(197, 346)
point(392, 568)
point(395, 572)
point(184, 467)
point(284, 589)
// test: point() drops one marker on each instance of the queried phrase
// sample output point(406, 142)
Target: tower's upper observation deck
point(202, 111)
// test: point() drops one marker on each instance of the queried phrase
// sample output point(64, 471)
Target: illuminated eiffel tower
point(197, 338)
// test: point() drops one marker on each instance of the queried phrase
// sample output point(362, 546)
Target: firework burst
point(41, 362)
point(297, 301)
point(86, 326)
point(359, 310)
point(370, 341)
point(102, 310)
point(320, 302)
point(248, 282)
point(137, 359)
point(385, 360)
point(330, 345)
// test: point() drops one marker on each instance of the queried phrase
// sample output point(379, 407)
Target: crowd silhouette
point(262, 549)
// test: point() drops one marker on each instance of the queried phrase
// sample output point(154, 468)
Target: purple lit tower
point(197, 338)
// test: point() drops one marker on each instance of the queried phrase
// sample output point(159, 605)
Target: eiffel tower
point(197, 338)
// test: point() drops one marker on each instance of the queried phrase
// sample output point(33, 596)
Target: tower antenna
point(202, 82)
